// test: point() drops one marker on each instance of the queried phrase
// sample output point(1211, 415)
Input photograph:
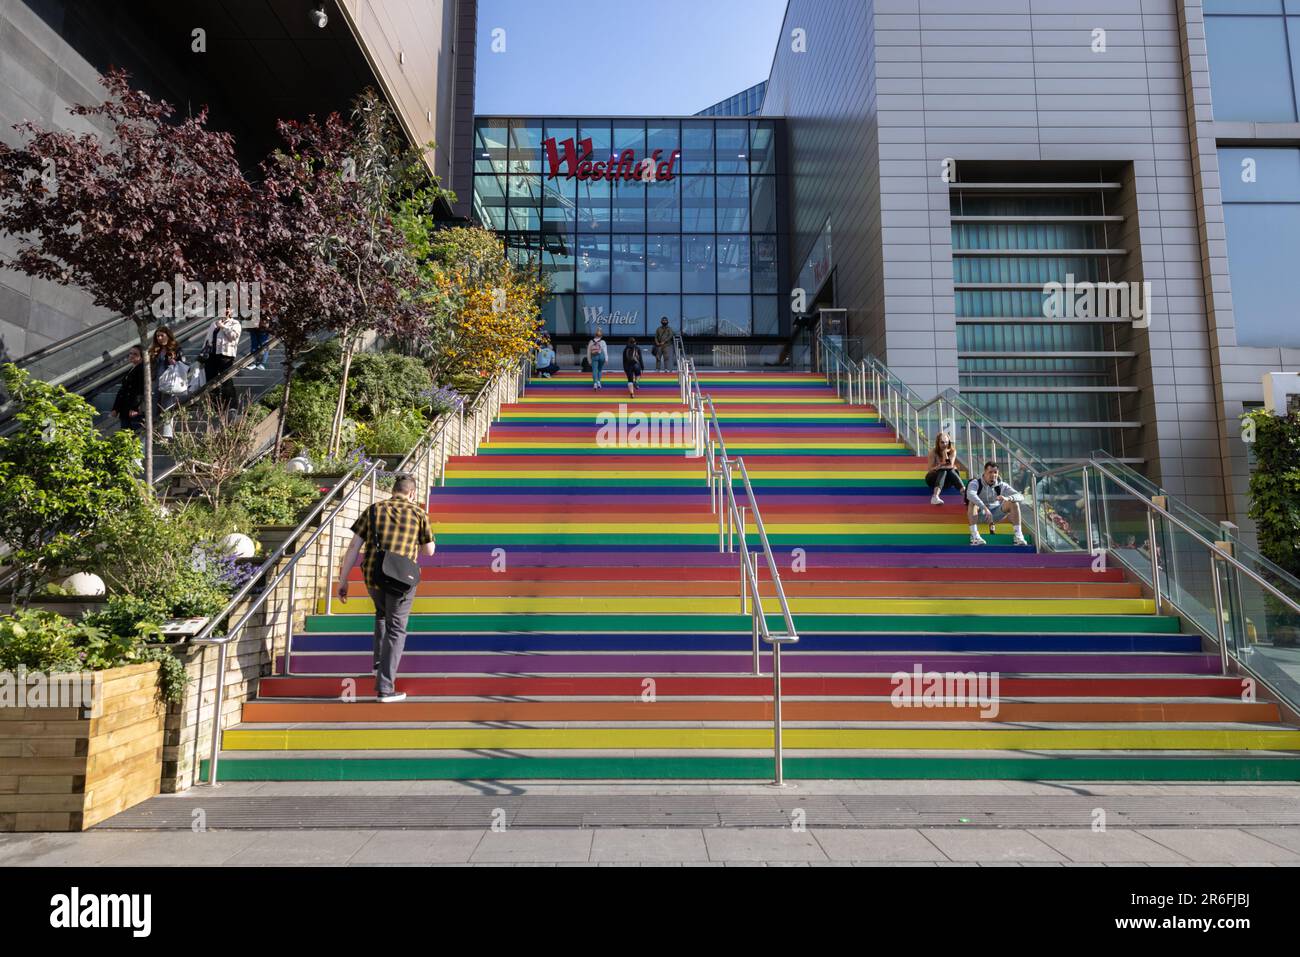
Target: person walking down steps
point(633, 366)
point(597, 355)
point(394, 532)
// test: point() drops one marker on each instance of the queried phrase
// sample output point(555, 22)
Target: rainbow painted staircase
point(579, 621)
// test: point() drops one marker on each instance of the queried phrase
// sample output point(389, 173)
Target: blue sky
point(633, 57)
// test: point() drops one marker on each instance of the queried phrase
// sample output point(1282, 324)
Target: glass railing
point(1246, 606)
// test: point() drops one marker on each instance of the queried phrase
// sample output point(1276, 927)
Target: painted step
point(794, 709)
point(842, 574)
point(255, 766)
point(741, 624)
point(738, 663)
point(716, 686)
point(1147, 738)
point(808, 644)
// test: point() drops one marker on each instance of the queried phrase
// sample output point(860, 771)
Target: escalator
point(93, 363)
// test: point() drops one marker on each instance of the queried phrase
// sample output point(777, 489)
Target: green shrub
point(311, 411)
point(39, 641)
point(391, 433)
point(385, 382)
point(270, 495)
point(46, 641)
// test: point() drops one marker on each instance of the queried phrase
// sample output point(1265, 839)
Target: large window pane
point(593, 264)
point(657, 307)
point(525, 198)
point(663, 204)
point(764, 264)
point(558, 313)
point(559, 204)
point(732, 146)
point(697, 204)
point(525, 146)
point(593, 314)
point(1250, 74)
point(593, 206)
point(627, 318)
point(558, 261)
point(629, 204)
point(762, 204)
point(490, 146)
point(602, 141)
point(629, 135)
point(1262, 240)
point(699, 315)
point(663, 263)
point(733, 264)
point(734, 316)
point(762, 147)
point(697, 146)
point(522, 249)
point(698, 264)
point(664, 135)
point(1275, 174)
point(767, 315)
point(490, 200)
point(733, 204)
point(629, 264)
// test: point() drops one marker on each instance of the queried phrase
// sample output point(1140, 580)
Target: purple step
point(792, 662)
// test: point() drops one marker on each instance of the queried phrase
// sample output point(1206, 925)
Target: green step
point(740, 624)
point(1079, 768)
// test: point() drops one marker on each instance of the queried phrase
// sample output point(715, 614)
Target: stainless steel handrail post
point(1153, 550)
point(289, 617)
point(214, 755)
point(1219, 626)
point(1087, 511)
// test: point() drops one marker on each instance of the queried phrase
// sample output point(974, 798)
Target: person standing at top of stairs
point(663, 348)
point(598, 355)
point(400, 526)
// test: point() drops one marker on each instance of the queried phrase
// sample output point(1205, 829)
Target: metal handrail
point(711, 444)
point(434, 438)
point(72, 340)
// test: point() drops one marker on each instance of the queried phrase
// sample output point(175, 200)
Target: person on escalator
point(997, 500)
point(130, 394)
point(170, 374)
point(219, 350)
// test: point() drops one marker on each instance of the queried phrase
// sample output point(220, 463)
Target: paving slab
point(1112, 846)
point(1224, 845)
point(649, 845)
point(877, 844)
point(987, 845)
point(762, 844)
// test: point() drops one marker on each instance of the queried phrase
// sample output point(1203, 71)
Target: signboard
point(576, 162)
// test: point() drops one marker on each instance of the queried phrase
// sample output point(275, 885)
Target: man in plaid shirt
point(397, 524)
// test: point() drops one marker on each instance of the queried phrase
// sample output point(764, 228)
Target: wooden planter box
point(63, 770)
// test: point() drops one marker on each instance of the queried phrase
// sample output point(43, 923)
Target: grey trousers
point(391, 612)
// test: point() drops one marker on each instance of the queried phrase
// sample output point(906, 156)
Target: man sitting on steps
point(997, 500)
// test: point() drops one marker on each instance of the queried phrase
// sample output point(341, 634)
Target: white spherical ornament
point(84, 584)
point(238, 544)
point(299, 464)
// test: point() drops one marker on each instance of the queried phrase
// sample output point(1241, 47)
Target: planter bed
point(63, 770)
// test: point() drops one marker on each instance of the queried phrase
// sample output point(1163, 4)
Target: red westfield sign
point(576, 161)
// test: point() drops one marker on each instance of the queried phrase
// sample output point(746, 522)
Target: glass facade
point(745, 103)
point(1254, 48)
point(696, 238)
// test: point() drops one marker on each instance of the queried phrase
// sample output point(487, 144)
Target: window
point(1262, 219)
point(698, 264)
point(1252, 61)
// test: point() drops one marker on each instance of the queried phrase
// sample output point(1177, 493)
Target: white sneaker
point(392, 697)
point(935, 499)
point(976, 540)
point(1019, 540)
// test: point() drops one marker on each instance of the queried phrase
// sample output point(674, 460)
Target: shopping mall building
point(931, 167)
